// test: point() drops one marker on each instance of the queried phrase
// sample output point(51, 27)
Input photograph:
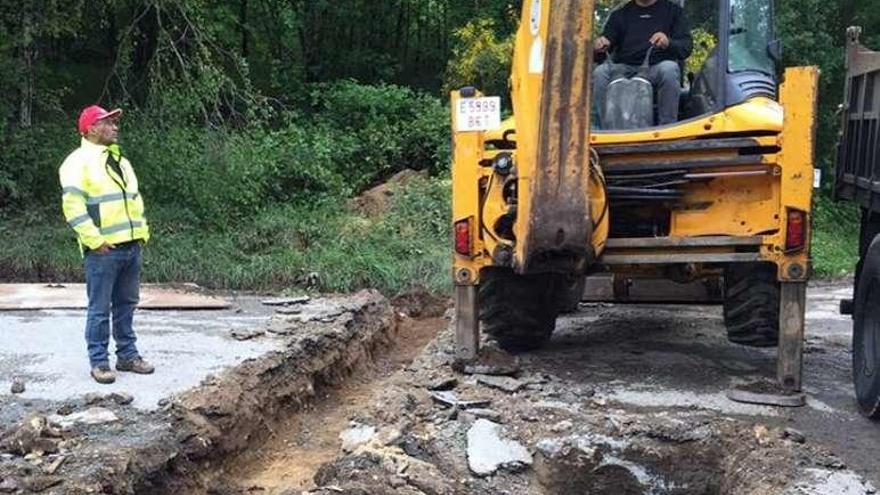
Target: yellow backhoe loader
point(546, 197)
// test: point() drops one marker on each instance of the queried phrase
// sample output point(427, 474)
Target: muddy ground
point(624, 399)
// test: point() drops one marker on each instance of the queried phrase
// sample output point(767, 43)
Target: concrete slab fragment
point(23, 297)
point(91, 416)
point(487, 451)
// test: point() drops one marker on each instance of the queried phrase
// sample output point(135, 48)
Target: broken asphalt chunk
point(53, 466)
point(121, 398)
point(241, 334)
point(482, 413)
point(794, 435)
point(504, 383)
point(443, 384)
point(289, 310)
point(8, 485)
point(491, 360)
point(449, 399)
point(41, 483)
point(286, 301)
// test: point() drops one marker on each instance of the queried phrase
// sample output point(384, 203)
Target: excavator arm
point(528, 208)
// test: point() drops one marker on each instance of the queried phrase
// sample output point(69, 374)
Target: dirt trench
point(300, 443)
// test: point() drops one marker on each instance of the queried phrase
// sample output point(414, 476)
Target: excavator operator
point(629, 34)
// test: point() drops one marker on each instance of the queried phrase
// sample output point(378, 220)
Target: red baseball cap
point(94, 113)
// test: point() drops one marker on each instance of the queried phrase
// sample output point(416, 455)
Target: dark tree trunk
point(28, 55)
point(242, 22)
point(147, 36)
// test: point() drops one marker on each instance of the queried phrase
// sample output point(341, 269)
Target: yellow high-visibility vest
point(100, 204)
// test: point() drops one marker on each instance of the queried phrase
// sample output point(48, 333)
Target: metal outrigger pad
point(787, 391)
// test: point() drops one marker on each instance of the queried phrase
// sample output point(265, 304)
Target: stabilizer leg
point(792, 305)
point(790, 357)
point(467, 323)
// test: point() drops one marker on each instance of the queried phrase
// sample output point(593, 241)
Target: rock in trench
point(33, 435)
point(17, 385)
point(356, 436)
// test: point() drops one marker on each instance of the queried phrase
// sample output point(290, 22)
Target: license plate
point(478, 114)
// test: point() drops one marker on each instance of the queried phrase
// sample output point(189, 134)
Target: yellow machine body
point(540, 195)
point(744, 212)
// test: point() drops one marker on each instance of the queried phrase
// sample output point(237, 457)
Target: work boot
point(103, 374)
point(138, 366)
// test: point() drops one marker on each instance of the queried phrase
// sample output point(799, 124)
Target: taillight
point(796, 230)
point(463, 237)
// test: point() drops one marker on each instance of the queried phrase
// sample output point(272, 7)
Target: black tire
point(751, 304)
point(518, 311)
point(866, 334)
point(572, 293)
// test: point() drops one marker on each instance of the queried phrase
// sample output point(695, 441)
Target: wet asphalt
point(662, 357)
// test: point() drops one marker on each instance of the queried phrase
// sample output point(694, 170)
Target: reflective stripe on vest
point(96, 200)
point(119, 227)
point(78, 220)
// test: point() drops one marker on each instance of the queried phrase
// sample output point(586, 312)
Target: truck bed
point(858, 164)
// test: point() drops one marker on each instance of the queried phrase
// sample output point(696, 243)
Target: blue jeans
point(112, 284)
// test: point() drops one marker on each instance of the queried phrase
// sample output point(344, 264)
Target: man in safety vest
point(101, 202)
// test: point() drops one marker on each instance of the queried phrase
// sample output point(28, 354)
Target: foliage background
point(252, 122)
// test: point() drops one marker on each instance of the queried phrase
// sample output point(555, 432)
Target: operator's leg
point(601, 78)
point(666, 77)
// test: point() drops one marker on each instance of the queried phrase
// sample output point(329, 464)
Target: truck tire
point(572, 293)
point(518, 311)
point(751, 304)
point(866, 334)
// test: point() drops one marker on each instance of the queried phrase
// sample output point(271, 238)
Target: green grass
point(320, 246)
point(835, 238)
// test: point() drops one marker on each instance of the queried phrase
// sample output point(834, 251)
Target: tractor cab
point(733, 60)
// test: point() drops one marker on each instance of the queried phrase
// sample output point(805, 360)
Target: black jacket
point(630, 27)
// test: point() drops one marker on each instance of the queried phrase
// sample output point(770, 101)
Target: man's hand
point(105, 248)
point(602, 43)
point(660, 40)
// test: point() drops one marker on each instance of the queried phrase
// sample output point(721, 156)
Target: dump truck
point(857, 180)
point(545, 198)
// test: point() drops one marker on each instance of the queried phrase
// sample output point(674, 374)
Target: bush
point(394, 128)
point(835, 237)
point(29, 163)
point(221, 177)
point(352, 137)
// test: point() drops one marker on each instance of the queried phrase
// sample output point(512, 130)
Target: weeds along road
point(641, 388)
